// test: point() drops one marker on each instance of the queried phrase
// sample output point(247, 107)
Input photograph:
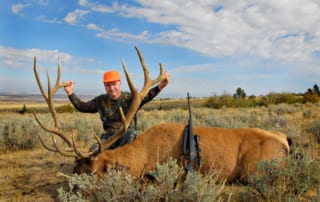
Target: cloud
point(44, 19)
point(95, 27)
point(286, 33)
point(103, 9)
point(74, 16)
point(99, 7)
point(23, 59)
point(20, 63)
point(275, 35)
point(18, 8)
point(115, 34)
point(83, 2)
point(285, 30)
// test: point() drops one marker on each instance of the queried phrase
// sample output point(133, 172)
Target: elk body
point(233, 151)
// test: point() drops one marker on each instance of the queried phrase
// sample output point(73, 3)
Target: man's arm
point(82, 106)
point(151, 94)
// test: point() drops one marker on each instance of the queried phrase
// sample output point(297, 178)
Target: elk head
point(84, 159)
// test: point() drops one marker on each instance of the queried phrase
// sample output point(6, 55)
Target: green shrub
point(120, 186)
point(227, 100)
point(289, 98)
point(23, 109)
point(68, 108)
point(297, 180)
point(18, 132)
point(283, 108)
point(21, 131)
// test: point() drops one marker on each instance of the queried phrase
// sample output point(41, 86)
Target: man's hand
point(68, 87)
point(164, 82)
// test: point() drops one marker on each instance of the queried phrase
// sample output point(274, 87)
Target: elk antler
point(72, 151)
point(137, 98)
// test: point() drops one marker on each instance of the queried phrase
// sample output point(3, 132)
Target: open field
point(12, 106)
point(30, 174)
point(14, 102)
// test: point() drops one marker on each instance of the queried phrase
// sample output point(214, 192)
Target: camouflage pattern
point(109, 109)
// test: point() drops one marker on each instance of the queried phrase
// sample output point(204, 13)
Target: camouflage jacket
point(109, 109)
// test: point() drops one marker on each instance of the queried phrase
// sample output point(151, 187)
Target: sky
point(209, 47)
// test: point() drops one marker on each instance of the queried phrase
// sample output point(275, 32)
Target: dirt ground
point(32, 175)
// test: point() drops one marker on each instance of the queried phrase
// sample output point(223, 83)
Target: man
point(108, 105)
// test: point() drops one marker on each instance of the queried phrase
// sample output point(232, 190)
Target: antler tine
point(144, 67)
point(160, 77)
point(45, 145)
point(129, 81)
point(50, 104)
point(58, 84)
point(35, 70)
point(136, 100)
point(58, 75)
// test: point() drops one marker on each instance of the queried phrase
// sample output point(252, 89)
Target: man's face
point(113, 89)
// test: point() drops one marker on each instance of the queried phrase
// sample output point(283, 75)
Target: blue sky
point(209, 47)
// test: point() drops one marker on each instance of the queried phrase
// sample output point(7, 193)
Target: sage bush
point(120, 186)
point(298, 179)
point(18, 132)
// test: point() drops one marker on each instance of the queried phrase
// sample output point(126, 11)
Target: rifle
point(189, 144)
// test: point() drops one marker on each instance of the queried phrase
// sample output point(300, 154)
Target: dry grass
point(12, 106)
point(31, 175)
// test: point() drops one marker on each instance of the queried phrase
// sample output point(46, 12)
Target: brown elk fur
point(234, 152)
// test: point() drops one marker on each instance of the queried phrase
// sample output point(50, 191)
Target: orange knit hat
point(110, 76)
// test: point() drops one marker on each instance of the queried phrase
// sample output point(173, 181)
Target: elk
point(235, 152)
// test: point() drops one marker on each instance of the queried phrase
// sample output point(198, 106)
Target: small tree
point(240, 94)
point(316, 89)
point(23, 110)
point(312, 95)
